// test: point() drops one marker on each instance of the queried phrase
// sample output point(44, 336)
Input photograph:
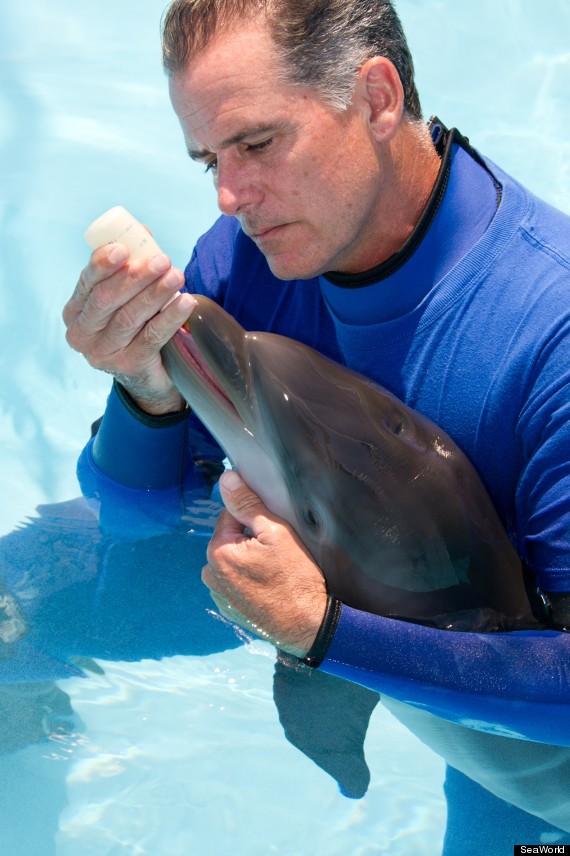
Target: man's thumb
point(241, 502)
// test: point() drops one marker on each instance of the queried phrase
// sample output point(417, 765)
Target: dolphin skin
point(389, 507)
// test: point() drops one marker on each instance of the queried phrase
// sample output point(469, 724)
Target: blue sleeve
point(130, 474)
point(139, 452)
point(145, 474)
point(515, 684)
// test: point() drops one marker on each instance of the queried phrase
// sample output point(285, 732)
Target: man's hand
point(264, 580)
point(118, 318)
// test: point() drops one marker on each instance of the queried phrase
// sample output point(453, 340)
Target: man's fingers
point(118, 311)
point(104, 263)
point(125, 322)
point(243, 504)
point(108, 282)
point(132, 295)
point(134, 349)
point(165, 323)
point(228, 531)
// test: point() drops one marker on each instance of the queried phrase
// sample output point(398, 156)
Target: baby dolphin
point(389, 507)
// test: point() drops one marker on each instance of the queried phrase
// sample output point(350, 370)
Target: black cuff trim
point(164, 420)
point(95, 426)
point(324, 637)
point(559, 610)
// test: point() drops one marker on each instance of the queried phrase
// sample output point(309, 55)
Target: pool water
point(133, 721)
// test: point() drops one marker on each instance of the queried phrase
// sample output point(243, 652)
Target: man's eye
point(211, 166)
point(259, 147)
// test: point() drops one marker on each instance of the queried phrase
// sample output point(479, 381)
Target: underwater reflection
point(80, 583)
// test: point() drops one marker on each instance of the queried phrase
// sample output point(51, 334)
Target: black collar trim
point(443, 141)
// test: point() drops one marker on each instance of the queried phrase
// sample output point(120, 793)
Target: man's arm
point(262, 577)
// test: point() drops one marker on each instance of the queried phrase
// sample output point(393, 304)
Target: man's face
point(302, 179)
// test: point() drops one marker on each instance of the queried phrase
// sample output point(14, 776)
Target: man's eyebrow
point(247, 133)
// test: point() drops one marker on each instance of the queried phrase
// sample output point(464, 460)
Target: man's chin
point(287, 268)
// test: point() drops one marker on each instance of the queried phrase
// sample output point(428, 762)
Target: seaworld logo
point(540, 848)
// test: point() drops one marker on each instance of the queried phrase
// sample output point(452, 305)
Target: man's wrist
point(317, 652)
point(153, 412)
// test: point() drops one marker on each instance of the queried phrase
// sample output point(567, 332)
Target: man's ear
point(381, 96)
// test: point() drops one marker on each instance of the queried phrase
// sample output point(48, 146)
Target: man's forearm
point(516, 682)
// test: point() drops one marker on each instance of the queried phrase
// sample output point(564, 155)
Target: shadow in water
point(73, 593)
point(69, 595)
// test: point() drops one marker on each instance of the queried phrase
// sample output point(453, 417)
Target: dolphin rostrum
point(389, 507)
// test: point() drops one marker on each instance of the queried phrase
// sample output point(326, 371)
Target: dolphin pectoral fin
point(326, 718)
point(87, 664)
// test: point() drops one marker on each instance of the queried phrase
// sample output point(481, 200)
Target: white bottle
point(118, 226)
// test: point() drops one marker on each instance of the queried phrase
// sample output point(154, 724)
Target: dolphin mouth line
point(198, 363)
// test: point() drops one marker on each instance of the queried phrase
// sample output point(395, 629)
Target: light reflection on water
point(168, 751)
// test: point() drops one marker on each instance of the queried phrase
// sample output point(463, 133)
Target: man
point(384, 242)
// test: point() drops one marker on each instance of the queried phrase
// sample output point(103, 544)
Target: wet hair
point(321, 43)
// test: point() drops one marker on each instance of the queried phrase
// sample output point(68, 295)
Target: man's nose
point(236, 187)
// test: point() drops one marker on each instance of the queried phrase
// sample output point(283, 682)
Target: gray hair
point(322, 43)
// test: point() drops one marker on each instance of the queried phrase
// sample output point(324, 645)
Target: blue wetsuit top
point(469, 324)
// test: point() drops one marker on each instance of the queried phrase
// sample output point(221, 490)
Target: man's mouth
point(257, 234)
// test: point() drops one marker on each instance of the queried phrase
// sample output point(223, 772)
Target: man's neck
point(414, 169)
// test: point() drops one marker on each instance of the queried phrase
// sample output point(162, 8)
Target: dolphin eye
point(312, 519)
point(395, 423)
